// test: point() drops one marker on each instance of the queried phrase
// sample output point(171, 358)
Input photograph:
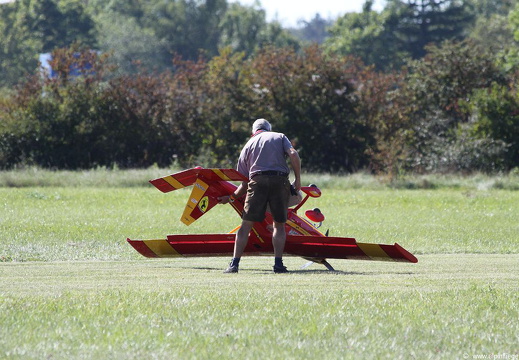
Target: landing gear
point(317, 261)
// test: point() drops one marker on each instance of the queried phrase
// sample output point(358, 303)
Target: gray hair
point(261, 124)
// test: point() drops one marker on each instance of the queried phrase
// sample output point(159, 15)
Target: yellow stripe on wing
point(161, 248)
point(374, 251)
point(173, 182)
point(221, 174)
point(297, 227)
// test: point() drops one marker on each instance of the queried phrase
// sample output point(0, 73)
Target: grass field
point(71, 288)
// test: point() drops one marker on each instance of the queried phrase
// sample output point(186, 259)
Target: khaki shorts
point(263, 190)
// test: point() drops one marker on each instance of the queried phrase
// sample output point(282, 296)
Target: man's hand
point(296, 166)
point(223, 199)
point(297, 184)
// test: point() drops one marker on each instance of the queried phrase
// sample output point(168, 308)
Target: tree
point(313, 31)
point(369, 36)
point(384, 106)
point(493, 32)
point(59, 24)
point(423, 22)
point(18, 48)
point(310, 97)
point(77, 25)
point(186, 26)
point(438, 89)
point(497, 117)
point(133, 49)
point(489, 8)
point(128, 8)
point(512, 53)
point(242, 27)
point(38, 26)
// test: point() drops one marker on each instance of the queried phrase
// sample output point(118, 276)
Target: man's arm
point(238, 193)
point(295, 161)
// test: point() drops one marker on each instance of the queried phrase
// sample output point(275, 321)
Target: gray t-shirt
point(265, 151)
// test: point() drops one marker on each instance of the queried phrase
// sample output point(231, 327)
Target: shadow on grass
point(267, 271)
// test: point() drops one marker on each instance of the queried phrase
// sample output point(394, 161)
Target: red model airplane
point(303, 238)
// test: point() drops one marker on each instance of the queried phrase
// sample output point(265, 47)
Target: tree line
point(406, 89)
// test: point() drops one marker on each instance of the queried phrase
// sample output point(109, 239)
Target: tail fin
point(199, 203)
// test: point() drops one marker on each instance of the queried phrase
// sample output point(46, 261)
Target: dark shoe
point(280, 269)
point(231, 269)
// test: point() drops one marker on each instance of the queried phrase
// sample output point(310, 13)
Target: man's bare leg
point(240, 242)
point(242, 238)
point(279, 238)
point(278, 241)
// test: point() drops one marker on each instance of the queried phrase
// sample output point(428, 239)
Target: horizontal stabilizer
point(188, 177)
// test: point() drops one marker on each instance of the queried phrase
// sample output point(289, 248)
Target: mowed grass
point(50, 224)
point(71, 288)
point(443, 307)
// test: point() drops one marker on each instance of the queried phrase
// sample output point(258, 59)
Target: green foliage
point(370, 36)
point(79, 122)
point(186, 26)
point(18, 49)
point(341, 115)
point(141, 35)
point(494, 33)
point(138, 121)
point(497, 110)
point(489, 8)
point(133, 49)
point(403, 29)
point(309, 97)
point(439, 87)
point(31, 27)
point(429, 21)
point(383, 105)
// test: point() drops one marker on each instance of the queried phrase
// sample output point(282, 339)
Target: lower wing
point(311, 247)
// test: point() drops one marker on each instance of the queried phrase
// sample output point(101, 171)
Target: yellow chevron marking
point(161, 248)
point(373, 251)
point(258, 235)
point(173, 182)
point(221, 174)
point(297, 227)
point(233, 231)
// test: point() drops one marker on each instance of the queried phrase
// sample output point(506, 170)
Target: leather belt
point(270, 173)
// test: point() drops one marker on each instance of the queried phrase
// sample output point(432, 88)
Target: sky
point(288, 12)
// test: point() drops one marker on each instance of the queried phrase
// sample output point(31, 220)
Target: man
point(263, 161)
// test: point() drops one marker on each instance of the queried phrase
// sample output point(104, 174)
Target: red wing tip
point(406, 254)
point(141, 248)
